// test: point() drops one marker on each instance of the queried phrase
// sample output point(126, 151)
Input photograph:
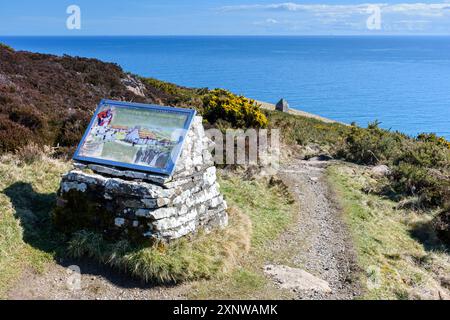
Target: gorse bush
point(430, 186)
point(370, 146)
point(238, 111)
point(433, 138)
point(420, 167)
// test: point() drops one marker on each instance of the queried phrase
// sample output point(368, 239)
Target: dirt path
point(96, 282)
point(324, 247)
point(319, 240)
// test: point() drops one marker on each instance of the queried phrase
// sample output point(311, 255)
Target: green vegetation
point(395, 220)
point(5, 46)
point(202, 256)
point(177, 95)
point(397, 248)
point(300, 130)
point(215, 257)
point(420, 166)
point(27, 194)
point(28, 239)
point(119, 151)
point(271, 210)
point(229, 110)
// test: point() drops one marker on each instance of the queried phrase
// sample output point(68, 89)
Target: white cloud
point(325, 18)
point(416, 9)
point(272, 21)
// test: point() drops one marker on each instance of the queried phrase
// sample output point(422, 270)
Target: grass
point(27, 193)
point(261, 212)
point(201, 256)
point(303, 131)
point(28, 241)
point(271, 211)
point(396, 247)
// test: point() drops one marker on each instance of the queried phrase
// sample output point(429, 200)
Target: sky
point(224, 17)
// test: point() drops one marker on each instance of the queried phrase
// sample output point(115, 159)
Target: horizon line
point(239, 35)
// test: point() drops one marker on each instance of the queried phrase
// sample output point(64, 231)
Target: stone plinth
point(138, 206)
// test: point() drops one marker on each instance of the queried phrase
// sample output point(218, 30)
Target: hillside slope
point(49, 100)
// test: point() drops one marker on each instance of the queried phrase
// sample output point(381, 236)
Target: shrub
point(432, 188)
point(420, 167)
point(27, 117)
point(370, 146)
point(12, 135)
point(238, 111)
point(426, 154)
point(32, 152)
point(433, 138)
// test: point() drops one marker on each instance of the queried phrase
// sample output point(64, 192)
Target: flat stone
point(136, 189)
point(179, 232)
point(79, 166)
point(146, 203)
point(81, 177)
point(158, 179)
point(296, 279)
point(157, 214)
point(174, 222)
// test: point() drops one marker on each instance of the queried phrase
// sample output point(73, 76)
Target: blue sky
point(224, 17)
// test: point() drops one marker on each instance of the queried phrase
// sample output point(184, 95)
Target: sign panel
point(135, 136)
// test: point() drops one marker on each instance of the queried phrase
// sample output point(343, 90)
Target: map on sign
point(135, 136)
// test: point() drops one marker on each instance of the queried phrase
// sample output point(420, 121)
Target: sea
point(402, 82)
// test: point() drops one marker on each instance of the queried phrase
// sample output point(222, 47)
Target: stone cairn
point(137, 206)
point(282, 106)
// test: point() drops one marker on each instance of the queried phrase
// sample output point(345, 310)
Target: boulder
point(381, 171)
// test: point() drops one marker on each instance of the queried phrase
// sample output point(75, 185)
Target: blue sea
point(404, 82)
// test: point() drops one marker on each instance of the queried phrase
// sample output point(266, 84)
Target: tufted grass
point(27, 193)
point(272, 211)
point(397, 247)
point(226, 263)
point(201, 256)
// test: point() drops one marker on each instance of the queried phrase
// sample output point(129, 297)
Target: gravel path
point(325, 248)
point(320, 240)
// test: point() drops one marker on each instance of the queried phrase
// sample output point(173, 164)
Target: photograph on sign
point(135, 136)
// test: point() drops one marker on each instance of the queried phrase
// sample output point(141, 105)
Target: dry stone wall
point(138, 206)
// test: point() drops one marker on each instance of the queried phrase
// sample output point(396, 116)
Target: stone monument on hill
point(138, 206)
point(282, 106)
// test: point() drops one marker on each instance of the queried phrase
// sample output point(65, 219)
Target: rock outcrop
point(138, 205)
